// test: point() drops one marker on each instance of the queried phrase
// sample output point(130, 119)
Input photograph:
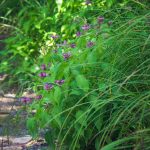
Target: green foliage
point(102, 101)
point(106, 88)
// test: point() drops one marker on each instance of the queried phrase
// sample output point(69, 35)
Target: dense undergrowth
point(89, 64)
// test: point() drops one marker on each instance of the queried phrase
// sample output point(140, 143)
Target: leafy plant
point(95, 89)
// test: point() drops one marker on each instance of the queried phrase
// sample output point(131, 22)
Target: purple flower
point(25, 99)
point(85, 27)
point(72, 45)
point(90, 44)
point(87, 2)
point(66, 55)
point(59, 82)
point(38, 97)
point(54, 36)
point(48, 86)
point(43, 67)
point(43, 74)
point(78, 34)
point(100, 20)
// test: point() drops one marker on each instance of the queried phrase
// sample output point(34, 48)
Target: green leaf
point(75, 72)
point(49, 139)
point(57, 95)
point(113, 145)
point(75, 92)
point(81, 117)
point(99, 122)
point(64, 27)
point(82, 82)
point(44, 117)
point(110, 2)
point(103, 86)
point(81, 42)
point(31, 125)
point(97, 143)
point(92, 56)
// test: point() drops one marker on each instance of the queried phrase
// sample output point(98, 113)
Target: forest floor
point(13, 132)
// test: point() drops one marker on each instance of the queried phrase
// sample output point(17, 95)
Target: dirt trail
point(13, 132)
point(10, 127)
